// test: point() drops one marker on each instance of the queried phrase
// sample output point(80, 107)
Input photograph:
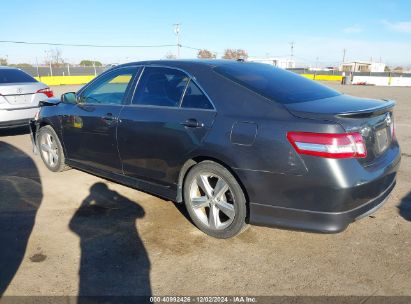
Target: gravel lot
point(73, 233)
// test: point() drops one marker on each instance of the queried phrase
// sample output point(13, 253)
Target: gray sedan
point(20, 95)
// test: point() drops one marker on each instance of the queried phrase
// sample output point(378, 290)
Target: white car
point(20, 95)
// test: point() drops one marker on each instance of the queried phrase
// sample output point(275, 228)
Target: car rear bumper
point(326, 222)
point(16, 117)
point(328, 198)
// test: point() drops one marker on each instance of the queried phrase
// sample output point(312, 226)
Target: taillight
point(329, 145)
point(49, 93)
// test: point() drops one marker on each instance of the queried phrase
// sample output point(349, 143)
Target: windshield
point(14, 76)
point(274, 83)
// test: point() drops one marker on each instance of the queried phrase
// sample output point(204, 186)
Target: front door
point(168, 119)
point(90, 126)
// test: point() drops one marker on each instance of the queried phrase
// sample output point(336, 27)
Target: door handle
point(192, 123)
point(109, 117)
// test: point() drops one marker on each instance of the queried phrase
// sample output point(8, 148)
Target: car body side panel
point(89, 138)
point(153, 143)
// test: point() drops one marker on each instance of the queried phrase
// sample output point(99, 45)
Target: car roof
point(2, 67)
point(211, 63)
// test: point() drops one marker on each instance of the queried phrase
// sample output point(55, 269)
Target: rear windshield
point(274, 83)
point(14, 75)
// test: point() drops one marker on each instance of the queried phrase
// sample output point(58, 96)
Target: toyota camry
point(237, 142)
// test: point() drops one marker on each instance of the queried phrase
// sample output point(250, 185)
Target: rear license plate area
point(21, 99)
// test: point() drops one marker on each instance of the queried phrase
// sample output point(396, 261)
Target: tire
point(215, 201)
point(50, 149)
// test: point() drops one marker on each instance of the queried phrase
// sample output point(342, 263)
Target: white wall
point(383, 81)
point(283, 63)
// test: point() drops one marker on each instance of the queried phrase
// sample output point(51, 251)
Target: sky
point(320, 30)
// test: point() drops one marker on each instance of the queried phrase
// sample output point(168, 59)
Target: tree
point(54, 58)
point(3, 61)
point(22, 65)
point(206, 54)
point(235, 54)
point(89, 63)
point(170, 55)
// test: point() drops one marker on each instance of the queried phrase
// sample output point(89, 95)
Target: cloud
point(399, 26)
point(353, 29)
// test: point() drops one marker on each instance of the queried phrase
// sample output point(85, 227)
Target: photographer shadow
point(114, 261)
point(21, 195)
point(405, 207)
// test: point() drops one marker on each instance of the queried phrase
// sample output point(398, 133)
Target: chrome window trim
point(168, 107)
point(191, 78)
point(99, 104)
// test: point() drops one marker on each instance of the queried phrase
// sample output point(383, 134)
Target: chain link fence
point(85, 71)
point(63, 71)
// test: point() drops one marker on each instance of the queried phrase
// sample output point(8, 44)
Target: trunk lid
point(21, 95)
point(372, 118)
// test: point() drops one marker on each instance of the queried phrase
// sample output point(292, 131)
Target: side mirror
point(69, 97)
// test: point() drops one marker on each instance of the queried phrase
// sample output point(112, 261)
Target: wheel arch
point(48, 122)
point(189, 164)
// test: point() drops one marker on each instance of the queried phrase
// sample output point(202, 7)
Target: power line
point(87, 45)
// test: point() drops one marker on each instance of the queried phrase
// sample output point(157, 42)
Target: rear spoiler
point(386, 107)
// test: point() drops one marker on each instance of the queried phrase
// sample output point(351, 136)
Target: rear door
point(90, 126)
point(168, 118)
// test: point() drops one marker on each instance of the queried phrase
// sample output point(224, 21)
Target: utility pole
point(344, 51)
point(49, 58)
point(177, 33)
point(292, 49)
point(37, 68)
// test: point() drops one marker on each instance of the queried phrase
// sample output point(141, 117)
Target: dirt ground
point(73, 233)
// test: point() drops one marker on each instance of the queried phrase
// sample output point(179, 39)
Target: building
point(284, 63)
point(362, 67)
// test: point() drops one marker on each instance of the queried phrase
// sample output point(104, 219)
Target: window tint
point(274, 83)
point(110, 89)
point(14, 75)
point(160, 87)
point(195, 98)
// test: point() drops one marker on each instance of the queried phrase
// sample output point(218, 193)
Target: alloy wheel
point(212, 201)
point(49, 149)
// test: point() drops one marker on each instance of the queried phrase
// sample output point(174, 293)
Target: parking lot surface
point(73, 233)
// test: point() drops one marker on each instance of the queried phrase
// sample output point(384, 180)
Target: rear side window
point(14, 76)
point(276, 84)
point(194, 98)
point(160, 87)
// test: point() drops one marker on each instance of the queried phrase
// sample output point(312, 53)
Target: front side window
point(110, 89)
point(160, 87)
point(194, 98)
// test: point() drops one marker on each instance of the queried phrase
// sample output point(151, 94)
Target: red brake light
point(47, 91)
point(328, 145)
